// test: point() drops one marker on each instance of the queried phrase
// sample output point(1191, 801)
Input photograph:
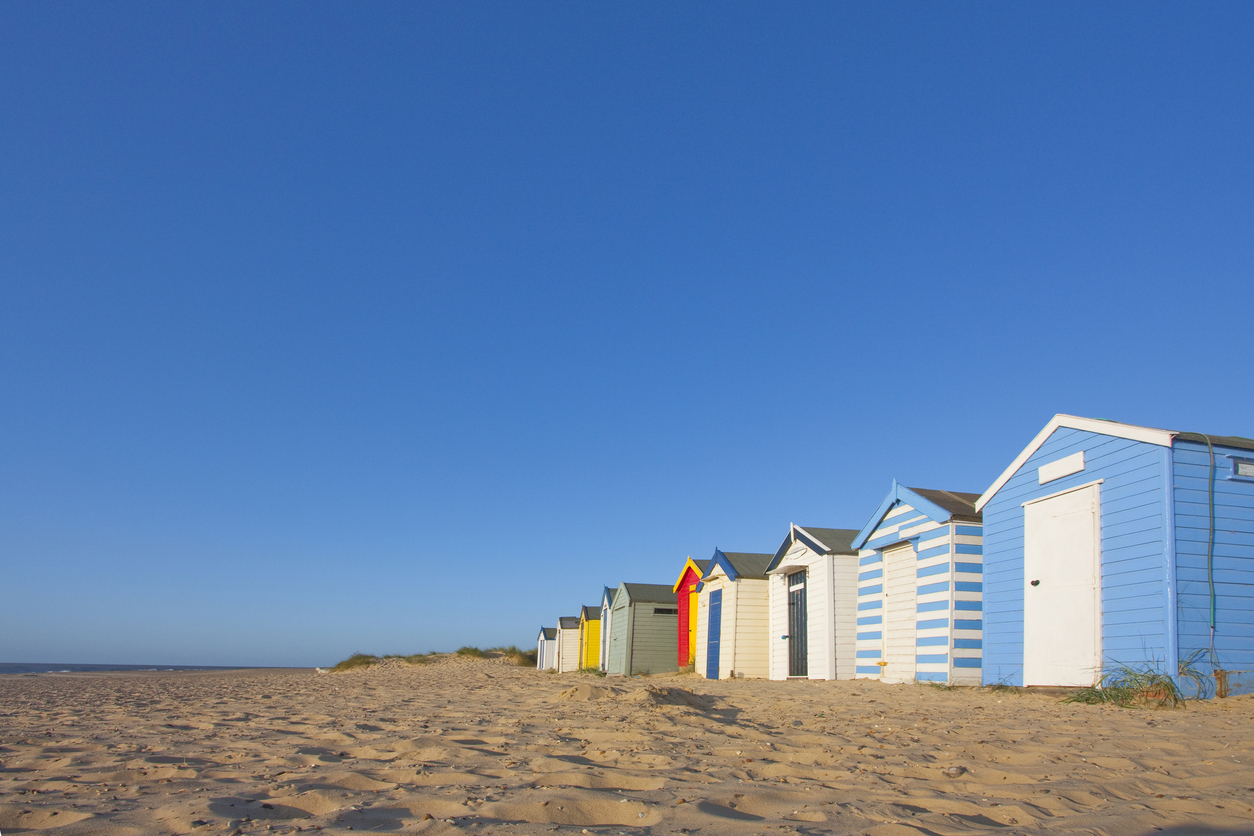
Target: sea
point(39, 667)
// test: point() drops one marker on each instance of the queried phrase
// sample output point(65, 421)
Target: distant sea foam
point(23, 667)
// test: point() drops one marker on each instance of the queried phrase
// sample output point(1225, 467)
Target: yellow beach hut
point(590, 638)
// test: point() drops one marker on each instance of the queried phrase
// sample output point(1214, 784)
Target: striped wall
point(1233, 560)
point(948, 587)
point(1134, 550)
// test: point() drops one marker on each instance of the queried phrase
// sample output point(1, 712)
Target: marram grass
point(1131, 687)
point(365, 660)
point(357, 660)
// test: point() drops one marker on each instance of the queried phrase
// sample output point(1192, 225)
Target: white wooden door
point(900, 584)
point(1062, 635)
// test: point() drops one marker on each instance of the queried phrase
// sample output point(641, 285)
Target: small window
point(666, 611)
point(1242, 469)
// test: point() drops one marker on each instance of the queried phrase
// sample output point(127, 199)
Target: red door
point(687, 618)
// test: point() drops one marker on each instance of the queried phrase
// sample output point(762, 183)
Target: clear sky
point(396, 326)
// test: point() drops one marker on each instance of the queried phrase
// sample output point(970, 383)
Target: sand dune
point(466, 745)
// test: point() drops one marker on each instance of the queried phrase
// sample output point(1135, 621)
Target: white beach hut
point(546, 649)
point(813, 598)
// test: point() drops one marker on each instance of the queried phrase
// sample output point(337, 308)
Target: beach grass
point(1128, 686)
point(473, 652)
point(412, 658)
point(365, 660)
point(357, 660)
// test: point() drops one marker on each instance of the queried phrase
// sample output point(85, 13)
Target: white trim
point(1149, 435)
point(1058, 468)
point(1060, 493)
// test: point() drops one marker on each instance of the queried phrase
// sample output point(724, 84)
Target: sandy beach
point(471, 745)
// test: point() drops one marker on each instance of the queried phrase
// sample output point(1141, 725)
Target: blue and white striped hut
point(1110, 544)
point(920, 588)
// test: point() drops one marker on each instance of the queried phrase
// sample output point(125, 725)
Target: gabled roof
point(938, 506)
point(591, 614)
point(607, 596)
point(650, 593)
point(568, 622)
point(698, 566)
point(548, 633)
point(737, 565)
point(820, 540)
point(1148, 435)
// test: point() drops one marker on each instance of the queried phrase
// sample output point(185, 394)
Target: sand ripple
point(477, 745)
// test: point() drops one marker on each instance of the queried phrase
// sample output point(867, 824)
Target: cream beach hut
point(568, 643)
point(732, 607)
point(813, 597)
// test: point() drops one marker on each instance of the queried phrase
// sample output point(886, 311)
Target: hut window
point(666, 610)
point(1243, 468)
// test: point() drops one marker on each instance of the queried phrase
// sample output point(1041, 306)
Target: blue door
point(715, 632)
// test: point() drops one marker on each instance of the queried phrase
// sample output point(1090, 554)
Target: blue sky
point(396, 327)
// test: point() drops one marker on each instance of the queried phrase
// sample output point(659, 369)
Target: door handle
point(1036, 583)
point(783, 637)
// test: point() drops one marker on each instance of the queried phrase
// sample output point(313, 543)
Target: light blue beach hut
point(1110, 544)
point(920, 588)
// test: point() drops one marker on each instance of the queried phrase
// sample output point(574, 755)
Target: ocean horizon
point(40, 667)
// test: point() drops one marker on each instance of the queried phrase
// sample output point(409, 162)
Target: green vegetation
point(592, 669)
point(512, 654)
point(1131, 687)
point(365, 660)
point(521, 658)
point(413, 658)
point(357, 660)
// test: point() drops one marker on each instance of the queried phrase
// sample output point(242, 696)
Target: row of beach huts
point(1101, 545)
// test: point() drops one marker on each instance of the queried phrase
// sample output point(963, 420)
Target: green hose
point(1210, 548)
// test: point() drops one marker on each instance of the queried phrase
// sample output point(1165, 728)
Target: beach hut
point(546, 649)
point(643, 636)
point(607, 601)
point(686, 602)
point(732, 623)
point(590, 638)
point(568, 643)
point(1109, 544)
point(920, 587)
point(812, 595)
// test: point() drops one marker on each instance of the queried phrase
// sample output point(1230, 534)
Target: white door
point(900, 584)
point(1062, 638)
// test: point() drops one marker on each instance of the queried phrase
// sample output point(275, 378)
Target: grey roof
point(568, 622)
point(837, 540)
point(591, 613)
point(960, 505)
point(609, 594)
point(749, 564)
point(1219, 440)
point(549, 633)
point(702, 565)
point(652, 593)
